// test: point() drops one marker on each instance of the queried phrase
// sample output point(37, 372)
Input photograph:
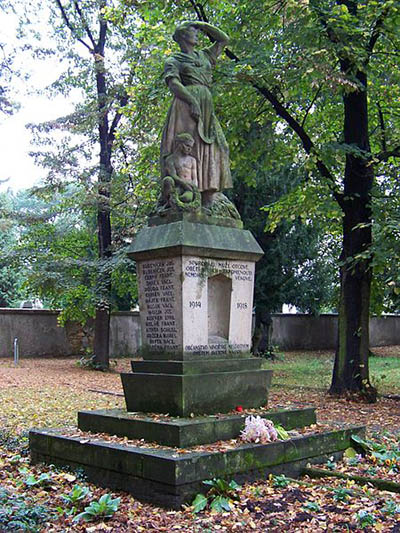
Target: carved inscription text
point(159, 296)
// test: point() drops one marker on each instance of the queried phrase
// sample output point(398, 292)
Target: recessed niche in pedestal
point(219, 293)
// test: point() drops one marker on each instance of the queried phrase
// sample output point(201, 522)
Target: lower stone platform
point(170, 477)
point(184, 432)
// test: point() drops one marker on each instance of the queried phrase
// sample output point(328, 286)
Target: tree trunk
point(351, 373)
point(105, 138)
point(102, 338)
point(102, 318)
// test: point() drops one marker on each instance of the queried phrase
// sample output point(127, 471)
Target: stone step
point(205, 366)
point(184, 432)
point(168, 478)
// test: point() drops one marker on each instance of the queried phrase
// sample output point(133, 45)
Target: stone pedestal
point(195, 289)
point(196, 283)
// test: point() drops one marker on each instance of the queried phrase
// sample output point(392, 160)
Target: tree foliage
point(93, 197)
point(322, 73)
point(320, 77)
point(11, 274)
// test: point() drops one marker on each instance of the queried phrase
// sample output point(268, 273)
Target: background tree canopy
point(308, 94)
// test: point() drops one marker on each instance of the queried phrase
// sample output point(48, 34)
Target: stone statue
point(188, 74)
point(179, 173)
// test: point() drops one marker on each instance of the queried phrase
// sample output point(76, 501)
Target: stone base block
point(184, 432)
point(166, 477)
point(183, 395)
point(179, 356)
point(197, 366)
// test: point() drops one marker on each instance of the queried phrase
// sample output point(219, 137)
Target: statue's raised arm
point(188, 74)
point(221, 38)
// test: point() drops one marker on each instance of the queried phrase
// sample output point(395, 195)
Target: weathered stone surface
point(184, 432)
point(195, 217)
point(149, 355)
point(198, 366)
point(191, 305)
point(160, 301)
point(192, 110)
point(170, 479)
point(196, 285)
point(181, 395)
point(188, 238)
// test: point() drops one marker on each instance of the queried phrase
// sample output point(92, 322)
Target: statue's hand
point(195, 111)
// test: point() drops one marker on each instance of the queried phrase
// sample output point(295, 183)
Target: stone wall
point(36, 330)
point(307, 332)
point(304, 332)
point(38, 333)
point(125, 335)
point(385, 330)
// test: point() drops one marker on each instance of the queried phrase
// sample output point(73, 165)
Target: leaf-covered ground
point(49, 392)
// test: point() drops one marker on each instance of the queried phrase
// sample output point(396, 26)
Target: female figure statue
point(188, 74)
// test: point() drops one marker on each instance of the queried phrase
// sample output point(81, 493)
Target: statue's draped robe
point(211, 149)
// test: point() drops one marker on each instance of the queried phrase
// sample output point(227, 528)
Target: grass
point(385, 374)
point(314, 370)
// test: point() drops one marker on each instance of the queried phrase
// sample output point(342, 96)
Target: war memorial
point(196, 273)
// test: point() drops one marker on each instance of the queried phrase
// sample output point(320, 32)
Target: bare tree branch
point(382, 127)
point(384, 156)
point(310, 105)
point(376, 32)
point(198, 9)
point(123, 100)
point(103, 28)
point(84, 23)
point(71, 26)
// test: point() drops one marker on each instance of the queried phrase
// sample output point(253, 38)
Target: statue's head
point(184, 142)
point(185, 33)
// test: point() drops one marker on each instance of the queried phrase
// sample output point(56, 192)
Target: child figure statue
point(179, 187)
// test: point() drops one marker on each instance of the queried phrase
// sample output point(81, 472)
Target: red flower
point(239, 408)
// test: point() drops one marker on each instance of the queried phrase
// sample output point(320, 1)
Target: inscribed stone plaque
point(196, 305)
point(160, 301)
point(217, 299)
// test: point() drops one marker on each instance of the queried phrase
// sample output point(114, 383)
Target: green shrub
point(76, 495)
point(342, 494)
point(14, 442)
point(312, 506)
point(391, 508)
point(365, 518)
point(280, 482)
point(43, 480)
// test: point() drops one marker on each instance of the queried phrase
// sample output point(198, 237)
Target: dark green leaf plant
point(219, 497)
point(104, 508)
